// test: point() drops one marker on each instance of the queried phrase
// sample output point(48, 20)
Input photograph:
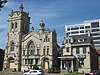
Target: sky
point(56, 14)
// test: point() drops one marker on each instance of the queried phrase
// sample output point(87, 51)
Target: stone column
point(61, 65)
point(33, 61)
point(72, 65)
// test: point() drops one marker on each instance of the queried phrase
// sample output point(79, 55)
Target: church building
point(25, 48)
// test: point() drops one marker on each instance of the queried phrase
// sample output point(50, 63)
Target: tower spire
point(21, 7)
point(42, 24)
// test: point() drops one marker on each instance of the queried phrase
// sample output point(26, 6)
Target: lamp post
point(2, 3)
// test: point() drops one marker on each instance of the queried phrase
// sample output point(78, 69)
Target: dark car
point(93, 72)
point(96, 72)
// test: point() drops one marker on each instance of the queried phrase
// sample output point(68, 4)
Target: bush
point(35, 67)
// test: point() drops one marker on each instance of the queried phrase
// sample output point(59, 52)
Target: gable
point(31, 36)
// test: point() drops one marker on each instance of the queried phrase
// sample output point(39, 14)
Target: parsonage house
point(79, 53)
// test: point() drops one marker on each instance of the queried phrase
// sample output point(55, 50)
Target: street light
point(2, 3)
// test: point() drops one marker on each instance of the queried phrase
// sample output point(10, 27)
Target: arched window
point(12, 25)
point(44, 50)
point(12, 46)
point(15, 24)
point(31, 49)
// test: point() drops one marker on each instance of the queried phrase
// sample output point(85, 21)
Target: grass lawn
point(75, 73)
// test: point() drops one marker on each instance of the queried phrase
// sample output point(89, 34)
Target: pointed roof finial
point(41, 21)
point(21, 7)
point(12, 11)
point(42, 24)
point(32, 28)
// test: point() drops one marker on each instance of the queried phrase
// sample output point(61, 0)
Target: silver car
point(34, 72)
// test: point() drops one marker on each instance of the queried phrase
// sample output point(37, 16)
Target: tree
point(2, 3)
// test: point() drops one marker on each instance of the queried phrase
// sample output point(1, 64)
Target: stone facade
point(79, 54)
point(25, 48)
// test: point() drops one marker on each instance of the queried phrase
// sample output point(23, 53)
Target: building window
point(66, 40)
point(23, 52)
point(36, 61)
point(67, 33)
point(95, 30)
point(15, 24)
point(81, 31)
point(87, 27)
point(67, 49)
point(12, 46)
point(26, 61)
point(76, 28)
point(12, 25)
point(81, 27)
point(46, 38)
point(47, 50)
point(44, 50)
point(87, 31)
point(69, 40)
point(84, 50)
point(95, 34)
point(37, 51)
point(77, 50)
point(68, 28)
point(97, 42)
point(75, 32)
point(95, 24)
point(31, 49)
point(30, 61)
point(81, 40)
point(32, 52)
point(96, 38)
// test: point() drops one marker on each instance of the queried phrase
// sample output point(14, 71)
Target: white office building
point(92, 26)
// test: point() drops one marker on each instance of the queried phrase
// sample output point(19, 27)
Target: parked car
point(93, 72)
point(34, 72)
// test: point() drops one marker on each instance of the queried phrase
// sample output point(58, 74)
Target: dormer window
point(81, 40)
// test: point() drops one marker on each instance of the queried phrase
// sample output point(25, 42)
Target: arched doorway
point(11, 63)
point(45, 63)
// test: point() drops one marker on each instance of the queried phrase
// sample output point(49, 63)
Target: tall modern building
point(25, 48)
point(92, 26)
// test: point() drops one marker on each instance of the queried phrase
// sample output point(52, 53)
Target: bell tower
point(19, 21)
point(41, 29)
point(18, 25)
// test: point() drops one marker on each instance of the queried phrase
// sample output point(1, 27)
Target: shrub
point(35, 67)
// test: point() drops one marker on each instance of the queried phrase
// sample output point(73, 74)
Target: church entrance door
point(46, 63)
point(11, 63)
